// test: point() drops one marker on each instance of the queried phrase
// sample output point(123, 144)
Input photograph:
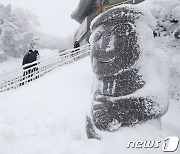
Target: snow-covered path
point(45, 107)
point(47, 116)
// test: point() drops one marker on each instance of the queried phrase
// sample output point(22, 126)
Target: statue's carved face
point(114, 48)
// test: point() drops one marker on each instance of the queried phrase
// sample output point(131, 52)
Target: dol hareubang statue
point(122, 96)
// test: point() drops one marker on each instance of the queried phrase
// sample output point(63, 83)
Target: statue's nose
point(106, 42)
point(102, 51)
point(110, 46)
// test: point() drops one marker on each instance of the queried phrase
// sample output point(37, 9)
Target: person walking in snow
point(26, 67)
point(33, 57)
point(76, 45)
point(30, 57)
point(25, 59)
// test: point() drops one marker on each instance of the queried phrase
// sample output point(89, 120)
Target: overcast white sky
point(53, 15)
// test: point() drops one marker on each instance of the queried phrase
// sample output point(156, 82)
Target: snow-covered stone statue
point(131, 75)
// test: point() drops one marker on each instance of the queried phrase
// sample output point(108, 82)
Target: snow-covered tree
point(24, 20)
point(17, 29)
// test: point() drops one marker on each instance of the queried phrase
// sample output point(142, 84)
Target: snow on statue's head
point(122, 92)
point(114, 42)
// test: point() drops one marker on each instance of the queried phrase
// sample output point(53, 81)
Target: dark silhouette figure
point(76, 48)
point(26, 59)
point(76, 44)
point(29, 58)
point(33, 57)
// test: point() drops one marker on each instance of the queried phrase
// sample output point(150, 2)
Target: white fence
point(19, 77)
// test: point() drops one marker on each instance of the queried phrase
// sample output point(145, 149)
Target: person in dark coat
point(76, 44)
point(33, 57)
point(26, 68)
point(30, 57)
point(26, 59)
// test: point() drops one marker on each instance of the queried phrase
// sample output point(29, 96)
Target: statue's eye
point(123, 29)
point(97, 36)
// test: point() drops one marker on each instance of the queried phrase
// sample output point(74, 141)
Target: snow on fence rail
point(19, 77)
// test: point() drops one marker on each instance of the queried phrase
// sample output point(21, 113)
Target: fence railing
point(19, 77)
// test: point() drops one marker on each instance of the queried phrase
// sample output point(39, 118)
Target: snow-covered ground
point(47, 116)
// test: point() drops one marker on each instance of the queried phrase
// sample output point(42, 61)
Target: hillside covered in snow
point(48, 115)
